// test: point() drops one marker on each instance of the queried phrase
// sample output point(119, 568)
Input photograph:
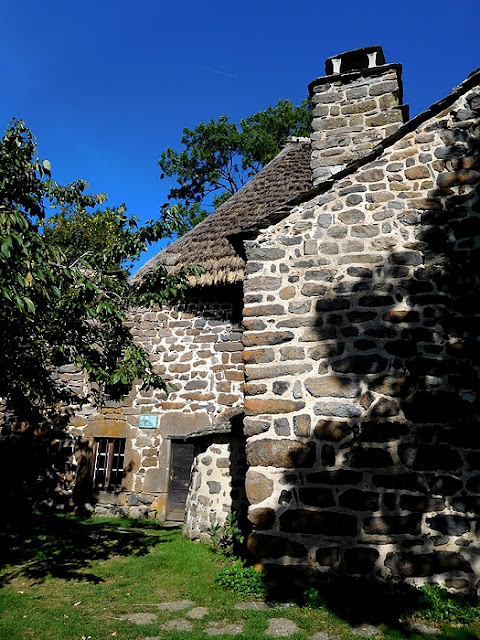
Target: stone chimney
point(355, 105)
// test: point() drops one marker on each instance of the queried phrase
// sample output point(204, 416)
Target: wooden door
point(181, 459)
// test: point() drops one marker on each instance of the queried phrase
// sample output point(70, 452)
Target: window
point(108, 458)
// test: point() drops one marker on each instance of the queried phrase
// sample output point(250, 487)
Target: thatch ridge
point(207, 245)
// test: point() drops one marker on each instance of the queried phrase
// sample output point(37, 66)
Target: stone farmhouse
point(326, 360)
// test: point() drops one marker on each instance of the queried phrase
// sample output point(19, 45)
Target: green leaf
point(29, 304)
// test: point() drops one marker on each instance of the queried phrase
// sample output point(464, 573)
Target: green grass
point(72, 579)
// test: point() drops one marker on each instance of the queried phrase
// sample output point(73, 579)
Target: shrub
point(440, 605)
point(227, 538)
point(245, 581)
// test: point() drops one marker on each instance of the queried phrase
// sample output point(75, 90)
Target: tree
point(64, 290)
point(218, 157)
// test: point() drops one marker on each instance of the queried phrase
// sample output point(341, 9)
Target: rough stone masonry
point(362, 344)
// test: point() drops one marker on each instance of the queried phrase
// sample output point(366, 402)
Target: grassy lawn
point(74, 579)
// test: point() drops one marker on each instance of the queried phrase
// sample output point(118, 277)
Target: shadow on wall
point(387, 482)
point(36, 468)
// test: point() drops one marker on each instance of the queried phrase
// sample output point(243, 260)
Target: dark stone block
point(317, 334)
point(450, 152)
point(429, 458)
point(401, 348)
point(381, 431)
point(328, 455)
point(376, 301)
point(385, 408)
point(339, 477)
point(288, 478)
point(421, 504)
point(416, 287)
point(419, 334)
point(361, 364)
point(434, 407)
point(389, 501)
point(263, 518)
point(364, 345)
point(408, 565)
point(263, 546)
point(336, 408)
point(473, 461)
point(400, 481)
point(331, 430)
point(381, 332)
point(351, 287)
point(334, 319)
point(360, 272)
point(332, 305)
point(361, 316)
point(429, 300)
point(397, 271)
point(394, 385)
point(467, 228)
point(316, 497)
point(450, 525)
point(279, 388)
point(368, 458)
point(285, 497)
point(431, 366)
point(360, 560)
point(328, 556)
point(467, 503)
point(411, 258)
point(349, 332)
point(467, 304)
point(393, 525)
point(444, 485)
point(359, 500)
point(327, 523)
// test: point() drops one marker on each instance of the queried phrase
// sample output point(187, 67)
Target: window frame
point(108, 463)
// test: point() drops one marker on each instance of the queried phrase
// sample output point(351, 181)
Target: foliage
point(227, 538)
point(440, 605)
point(64, 290)
point(245, 581)
point(311, 597)
point(219, 156)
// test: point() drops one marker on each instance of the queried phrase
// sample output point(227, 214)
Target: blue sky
point(107, 85)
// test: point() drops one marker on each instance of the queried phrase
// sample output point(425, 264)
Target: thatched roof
point(285, 177)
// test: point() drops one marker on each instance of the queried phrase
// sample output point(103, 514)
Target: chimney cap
point(355, 60)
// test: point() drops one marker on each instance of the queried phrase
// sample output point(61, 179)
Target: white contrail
point(221, 73)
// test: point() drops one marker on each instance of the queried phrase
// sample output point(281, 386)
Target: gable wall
point(361, 356)
point(196, 346)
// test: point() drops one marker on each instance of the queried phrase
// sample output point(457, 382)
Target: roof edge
point(472, 80)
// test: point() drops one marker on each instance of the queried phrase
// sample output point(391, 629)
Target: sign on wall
point(147, 421)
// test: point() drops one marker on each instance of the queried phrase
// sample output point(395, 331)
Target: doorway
point(181, 458)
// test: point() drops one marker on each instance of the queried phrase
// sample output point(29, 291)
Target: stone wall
point(217, 484)
point(196, 346)
point(362, 359)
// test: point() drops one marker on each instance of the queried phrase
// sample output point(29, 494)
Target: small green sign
point(147, 421)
